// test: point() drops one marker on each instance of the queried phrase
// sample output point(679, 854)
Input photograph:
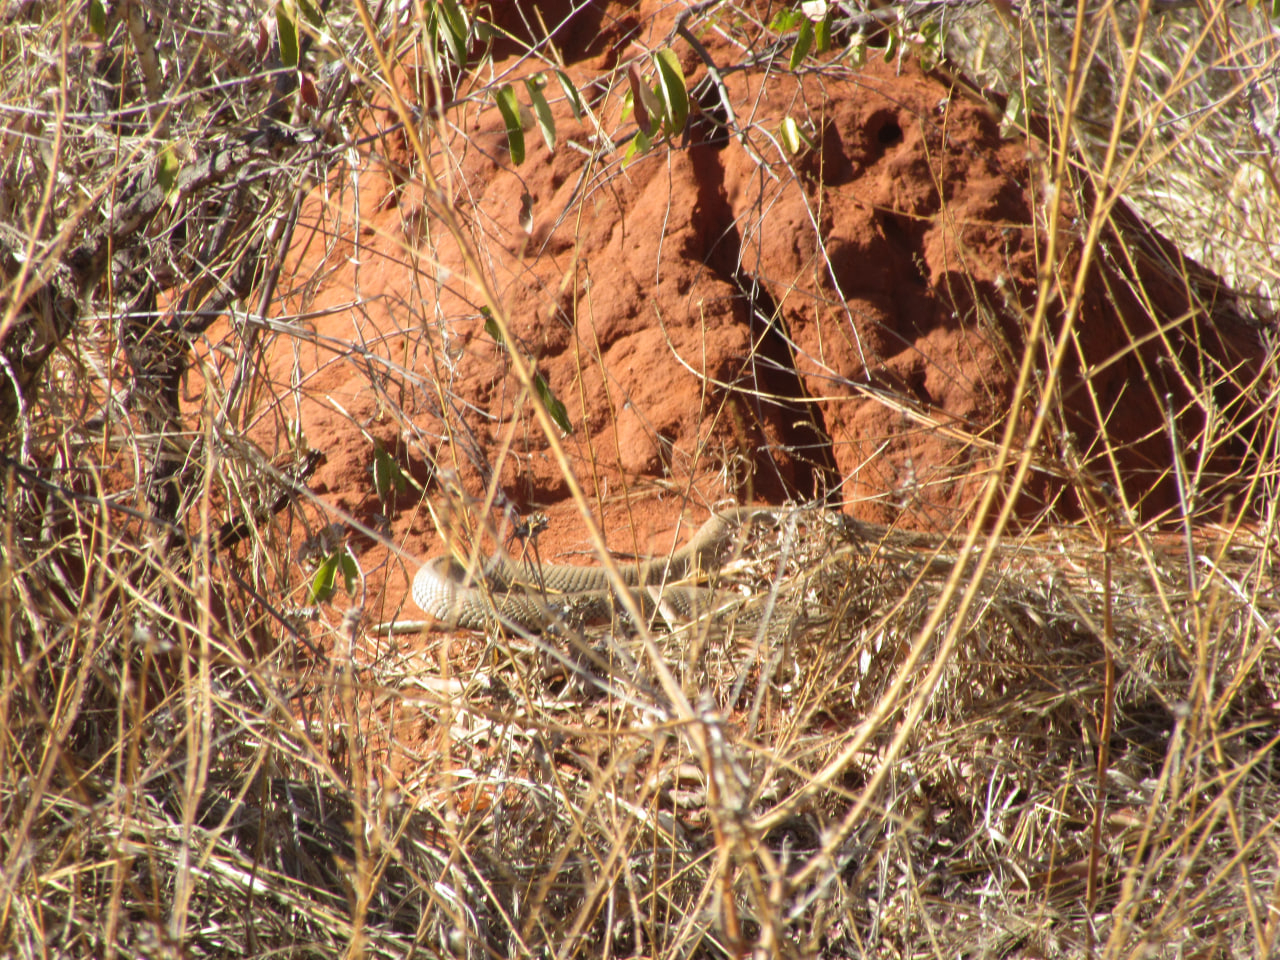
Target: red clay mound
point(730, 320)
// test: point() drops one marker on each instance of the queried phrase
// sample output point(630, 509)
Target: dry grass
point(1054, 742)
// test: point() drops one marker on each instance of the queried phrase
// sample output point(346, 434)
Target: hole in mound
point(889, 134)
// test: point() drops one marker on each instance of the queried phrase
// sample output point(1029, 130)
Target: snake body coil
point(532, 596)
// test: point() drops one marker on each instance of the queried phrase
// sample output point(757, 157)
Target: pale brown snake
point(531, 596)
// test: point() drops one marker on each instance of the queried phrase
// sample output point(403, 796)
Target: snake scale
point(532, 596)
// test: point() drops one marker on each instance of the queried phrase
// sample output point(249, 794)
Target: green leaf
point(287, 31)
point(785, 21)
point(350, 572)
point(510, 107)
point(387, 475)
point(793, 138)
point(895, 41)
point(929, 47)
point(457, 31)
point(671, 86)
point(167, 167)
point(575, 101)
point(638, 146)
point(311, 13)
point(789, 130)
point(554, 407)
point(857, 52)
point(824, 32)
point(1014, 111)
point(546, 122)
point(803, 42)
point(323, 583)
point(491, 326)
point(98, 18)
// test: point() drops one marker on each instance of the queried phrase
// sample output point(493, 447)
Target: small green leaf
point(350, 572)
point(638, 146)
point(510, 108)
point(824, 32)
point(323, 583)
point(167, 167)
point(98, 18)
point(803, 42)
point(311, 13)
point(387, 475)
point(456, 30)
point(287, 31)
point(895, 41)
point(552, 403)
point(491, 326)
point(546, 122)
point(929, 50)
point(857, 52)
point(571, 93)
point(671, 86)
point(1013, 114)
point(793, 138)
point(790, 133)
point(785, 21)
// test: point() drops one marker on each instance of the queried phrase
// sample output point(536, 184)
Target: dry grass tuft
point(1054, 741)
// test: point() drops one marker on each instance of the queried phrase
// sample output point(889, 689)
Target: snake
point(533, 596)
